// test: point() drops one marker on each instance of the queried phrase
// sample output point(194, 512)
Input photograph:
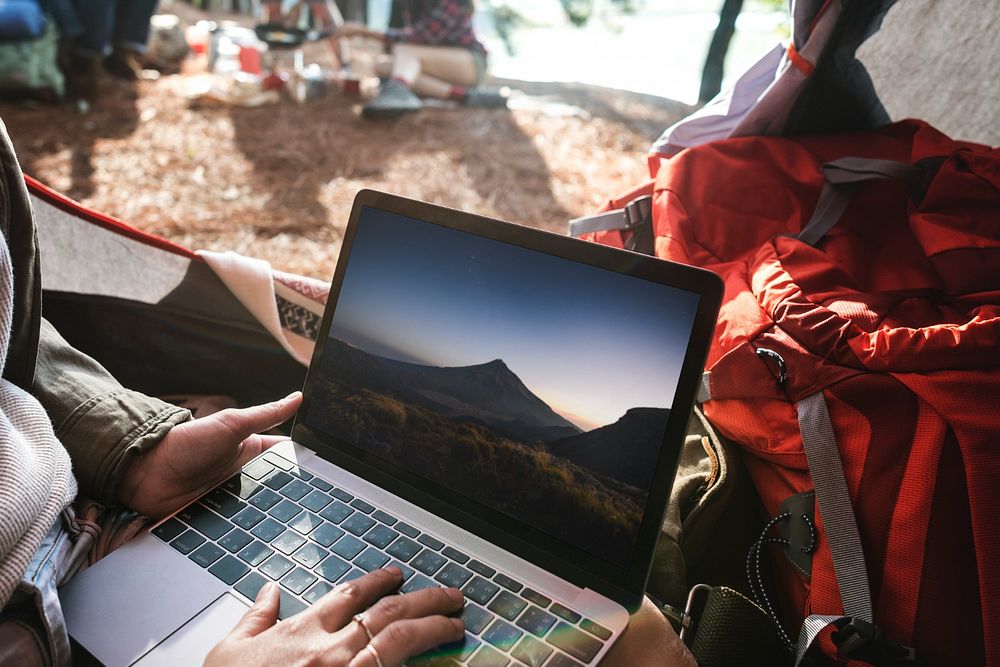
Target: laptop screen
point(529, 383)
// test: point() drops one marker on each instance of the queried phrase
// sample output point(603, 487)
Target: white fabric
point(36, 480)
point(719, 118)
point(251, 281)
point(759, 101)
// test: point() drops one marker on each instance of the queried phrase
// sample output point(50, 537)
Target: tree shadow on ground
point(297, 151)
point(38, 136)
point(644, 114)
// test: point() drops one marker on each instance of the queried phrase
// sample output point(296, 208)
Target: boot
point(124, 63)
point(394, 99)
point(83, 76)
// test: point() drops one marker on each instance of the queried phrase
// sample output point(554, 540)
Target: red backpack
point(856, 361)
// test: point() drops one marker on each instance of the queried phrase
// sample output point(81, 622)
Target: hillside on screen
point(532, 384)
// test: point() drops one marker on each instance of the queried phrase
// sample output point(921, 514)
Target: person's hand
point(353, 29)
point(327, 635)
point(196, 455)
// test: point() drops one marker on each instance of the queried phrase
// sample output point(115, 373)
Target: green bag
point(29, 68)
point(699, 578)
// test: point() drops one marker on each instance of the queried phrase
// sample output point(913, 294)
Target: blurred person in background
point(436, 55)
point(325, 16)
point(108, 35)
point(322, 15)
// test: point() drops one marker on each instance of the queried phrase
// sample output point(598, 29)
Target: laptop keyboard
point(277, 522)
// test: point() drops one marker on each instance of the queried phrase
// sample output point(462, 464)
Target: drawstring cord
point(756, 577)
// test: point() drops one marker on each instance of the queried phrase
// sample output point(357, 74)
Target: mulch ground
point(277, 182)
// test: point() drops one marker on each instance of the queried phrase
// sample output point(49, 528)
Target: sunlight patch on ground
point(660, 50)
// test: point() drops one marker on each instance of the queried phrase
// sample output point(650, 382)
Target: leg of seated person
point(326, 16)
point(325, 13)
point(272, 11)
point(406, 65)
point(131, 29)
point(429, 86)
point(97, 19)
point(649, 640)
point(452, 64)
point(383, 66)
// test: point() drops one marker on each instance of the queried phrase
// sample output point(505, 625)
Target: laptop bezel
point(624, 585)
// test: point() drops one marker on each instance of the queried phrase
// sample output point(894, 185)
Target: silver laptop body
point(446, 335)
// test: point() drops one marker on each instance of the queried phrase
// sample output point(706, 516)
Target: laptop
point(489, 406)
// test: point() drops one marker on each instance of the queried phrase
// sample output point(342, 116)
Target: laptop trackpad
point(192, 642)
point(134, 598)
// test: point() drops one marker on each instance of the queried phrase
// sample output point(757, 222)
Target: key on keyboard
point(298, 559)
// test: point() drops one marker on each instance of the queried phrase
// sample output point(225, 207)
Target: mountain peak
point(633, 413)
point(489, 392)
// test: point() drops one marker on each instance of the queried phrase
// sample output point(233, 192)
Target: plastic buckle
point(854, 636)
point(638, 212)
point(857, 638)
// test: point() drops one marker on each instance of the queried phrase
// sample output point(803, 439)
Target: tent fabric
point(761, 100)
point(938, 61)
point(161, 318)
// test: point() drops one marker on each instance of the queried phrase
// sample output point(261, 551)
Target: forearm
point(100, 423)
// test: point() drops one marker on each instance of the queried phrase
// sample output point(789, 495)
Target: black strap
point(732, 630)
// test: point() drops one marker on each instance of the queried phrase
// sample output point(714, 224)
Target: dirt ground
point(277, 182)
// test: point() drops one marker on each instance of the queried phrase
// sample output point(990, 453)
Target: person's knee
point(383, 65)
point(649, 640)
point(404, 50)
point(405, 64)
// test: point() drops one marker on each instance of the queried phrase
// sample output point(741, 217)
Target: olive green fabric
point(712, 519)
point(31, 65)
point(100, 423)
point(668, 581)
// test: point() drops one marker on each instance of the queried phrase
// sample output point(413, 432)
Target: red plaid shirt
point(443, 23)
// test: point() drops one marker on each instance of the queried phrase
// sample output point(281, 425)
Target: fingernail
point(394, 571)
point(293, 395)
point(454, 594)
point(459, 624)
point(265, 591)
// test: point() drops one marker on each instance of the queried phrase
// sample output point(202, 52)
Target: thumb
point(244, 422)
point(262, 615)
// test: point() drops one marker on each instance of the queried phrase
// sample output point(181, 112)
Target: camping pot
point(233, 33)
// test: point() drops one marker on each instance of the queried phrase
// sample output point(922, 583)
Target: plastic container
point(250, 60)
point(227, 57)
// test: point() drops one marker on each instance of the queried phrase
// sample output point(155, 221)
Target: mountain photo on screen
point(529, 383)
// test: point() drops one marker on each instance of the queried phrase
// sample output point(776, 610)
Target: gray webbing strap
point(842, 177)
point(636, 212)
point(704, 388)
point(602, 222)
point(835, 507)
point(811, 627)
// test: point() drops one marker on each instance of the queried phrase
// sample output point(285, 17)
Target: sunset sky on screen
point(590, 342)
